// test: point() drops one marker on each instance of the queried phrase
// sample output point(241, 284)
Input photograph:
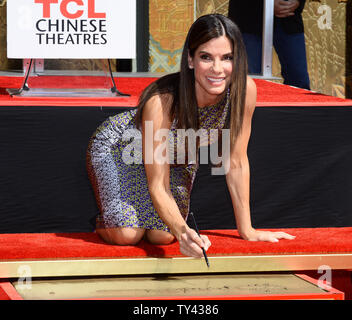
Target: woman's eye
point(228, 58)
point(205, 57)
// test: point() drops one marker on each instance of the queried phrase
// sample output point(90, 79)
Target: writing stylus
point(195, 226)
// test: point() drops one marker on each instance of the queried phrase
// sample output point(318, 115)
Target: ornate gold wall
point(212, 6)
point(5, 64)
point(348, 62)
point(326, 47)
point(169, 22)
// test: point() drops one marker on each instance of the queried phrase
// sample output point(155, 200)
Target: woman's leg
point(159, 237)
point(291, 50)
point(253, 45)
point(131, 236)
point(123, 236)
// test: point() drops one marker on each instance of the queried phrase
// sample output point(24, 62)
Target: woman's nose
point(217, 66)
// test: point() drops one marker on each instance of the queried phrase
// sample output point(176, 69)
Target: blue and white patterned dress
point(121, 189)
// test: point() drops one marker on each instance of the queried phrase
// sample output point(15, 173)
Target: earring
point(191, 67)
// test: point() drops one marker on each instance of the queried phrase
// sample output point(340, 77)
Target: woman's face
point(213, 65)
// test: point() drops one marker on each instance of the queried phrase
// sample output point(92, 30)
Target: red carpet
point(272, 94)
point(132, 86)
point(224, 242)
point(269, 93)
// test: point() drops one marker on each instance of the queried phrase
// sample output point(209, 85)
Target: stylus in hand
point(195, 226)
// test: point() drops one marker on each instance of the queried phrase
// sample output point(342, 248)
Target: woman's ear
point(190, 62)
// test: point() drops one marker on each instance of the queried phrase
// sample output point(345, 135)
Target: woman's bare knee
point(123, 236)
point(159, 237)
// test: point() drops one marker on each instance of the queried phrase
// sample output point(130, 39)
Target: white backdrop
point(69, 29)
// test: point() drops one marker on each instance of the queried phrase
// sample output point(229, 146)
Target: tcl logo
point(79, 8)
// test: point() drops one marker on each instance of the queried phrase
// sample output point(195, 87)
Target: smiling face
point(213, 65)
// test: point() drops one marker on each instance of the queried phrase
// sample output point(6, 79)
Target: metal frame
point(38, 66)
point(35, 67)
point(273, 286)
point(186, 287)
point(267, 43)
point(143, 266)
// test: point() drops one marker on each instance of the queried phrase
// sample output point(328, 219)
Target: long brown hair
point(181, 85)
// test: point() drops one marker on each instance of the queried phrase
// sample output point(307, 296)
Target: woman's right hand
point(191, 243)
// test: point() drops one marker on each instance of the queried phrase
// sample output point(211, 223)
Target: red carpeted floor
point(224, 242)
point(132, 86)
point(269, 93)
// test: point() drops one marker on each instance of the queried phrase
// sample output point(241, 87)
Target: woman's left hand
point(270, 236)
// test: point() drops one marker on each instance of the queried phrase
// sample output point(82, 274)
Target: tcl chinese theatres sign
point(71, 29)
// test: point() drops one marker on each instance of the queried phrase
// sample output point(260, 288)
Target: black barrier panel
point(44, 185)
point(300, 160)
point(301, 176)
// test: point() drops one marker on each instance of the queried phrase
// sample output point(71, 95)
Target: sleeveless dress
point(116, 170)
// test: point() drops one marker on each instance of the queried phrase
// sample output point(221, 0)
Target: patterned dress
point(116, 170)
